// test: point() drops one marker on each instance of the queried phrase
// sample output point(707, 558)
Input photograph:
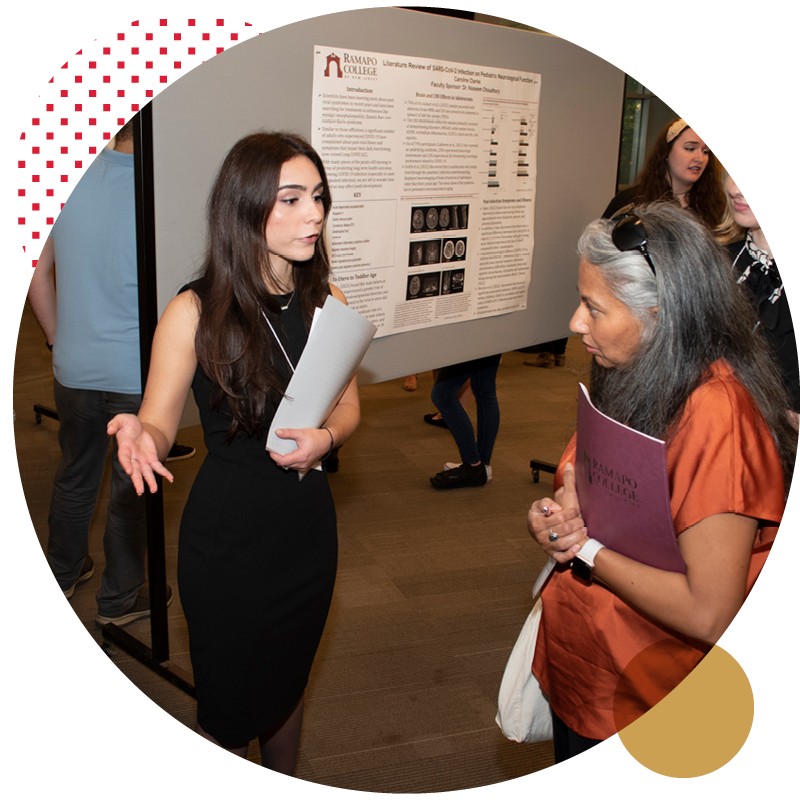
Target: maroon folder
point(621, 478)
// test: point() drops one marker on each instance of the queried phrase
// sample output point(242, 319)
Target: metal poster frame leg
point(156, 657)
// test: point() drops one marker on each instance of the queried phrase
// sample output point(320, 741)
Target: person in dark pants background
point(92, 326)
point(476, 453)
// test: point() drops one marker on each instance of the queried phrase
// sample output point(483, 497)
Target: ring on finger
point(552, 536)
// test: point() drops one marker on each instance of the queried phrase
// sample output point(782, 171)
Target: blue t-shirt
point(97, 325)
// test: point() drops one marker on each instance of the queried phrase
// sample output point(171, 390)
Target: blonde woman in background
point(758, 274)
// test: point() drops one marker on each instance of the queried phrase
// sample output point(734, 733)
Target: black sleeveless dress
point(256, 567)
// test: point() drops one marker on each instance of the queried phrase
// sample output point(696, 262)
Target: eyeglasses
point(629, 234)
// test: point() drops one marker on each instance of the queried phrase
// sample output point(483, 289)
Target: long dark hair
point(701, 317)
point(706, 198)
point(233, 344)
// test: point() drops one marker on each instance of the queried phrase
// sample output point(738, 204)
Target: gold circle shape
point(699, 726)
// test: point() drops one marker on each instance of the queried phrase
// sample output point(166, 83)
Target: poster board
point(432, 169)
point(267, 82)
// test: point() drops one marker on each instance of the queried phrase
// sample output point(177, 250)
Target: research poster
point(432, 169)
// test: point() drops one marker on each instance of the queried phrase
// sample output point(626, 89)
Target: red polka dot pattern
point(92, 96)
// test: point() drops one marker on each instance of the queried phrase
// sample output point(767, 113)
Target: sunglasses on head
point(629, 234)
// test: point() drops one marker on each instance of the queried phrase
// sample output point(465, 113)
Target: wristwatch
point(583, 563)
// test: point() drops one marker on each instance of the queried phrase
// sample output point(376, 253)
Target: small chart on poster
point(432, 169)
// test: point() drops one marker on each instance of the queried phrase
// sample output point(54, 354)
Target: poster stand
point(543, 466)
point(156, 656)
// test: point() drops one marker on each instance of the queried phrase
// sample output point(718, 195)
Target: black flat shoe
point(439, 423)
point(460, 477)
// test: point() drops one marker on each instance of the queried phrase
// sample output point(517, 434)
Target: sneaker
point(180, 452)
point(453, 465)
point(87, 570)
point(462, 475)
point(139, 609)
point(439, 423)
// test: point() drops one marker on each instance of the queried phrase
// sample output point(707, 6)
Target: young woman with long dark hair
point(257, 551)
point(680, 168)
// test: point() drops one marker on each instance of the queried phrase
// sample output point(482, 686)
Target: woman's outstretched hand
point(560, 517)
point(137, 452)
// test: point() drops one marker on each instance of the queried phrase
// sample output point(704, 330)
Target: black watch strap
point(583, 563)
point(582, 569)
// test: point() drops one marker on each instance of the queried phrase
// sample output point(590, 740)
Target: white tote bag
point(523, 710)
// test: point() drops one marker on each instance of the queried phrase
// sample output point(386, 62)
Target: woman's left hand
point(312, 445)
point(561, 517)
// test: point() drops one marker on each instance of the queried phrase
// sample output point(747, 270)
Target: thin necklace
point(283, 308)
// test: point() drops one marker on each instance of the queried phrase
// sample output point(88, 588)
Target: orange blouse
point(722, 460)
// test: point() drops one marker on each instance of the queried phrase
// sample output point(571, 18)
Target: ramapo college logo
point(349, 65)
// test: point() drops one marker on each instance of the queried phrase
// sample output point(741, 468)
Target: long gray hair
point(692, 315)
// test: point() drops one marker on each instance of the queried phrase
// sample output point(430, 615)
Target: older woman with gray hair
point(675, 356)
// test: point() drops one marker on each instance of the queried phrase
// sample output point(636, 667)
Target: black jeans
point(482, 374)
